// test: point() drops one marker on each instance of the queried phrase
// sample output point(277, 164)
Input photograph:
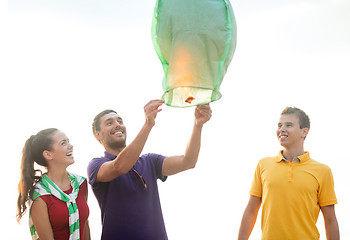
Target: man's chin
point(117, 145)
point(284, 145)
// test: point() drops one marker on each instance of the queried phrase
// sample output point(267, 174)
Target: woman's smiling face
point(61, 150)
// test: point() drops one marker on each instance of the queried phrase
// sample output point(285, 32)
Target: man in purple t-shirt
point(125, 183)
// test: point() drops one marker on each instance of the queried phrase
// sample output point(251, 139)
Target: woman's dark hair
point(32, 152)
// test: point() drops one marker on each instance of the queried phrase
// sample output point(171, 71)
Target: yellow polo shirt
point(292, 194)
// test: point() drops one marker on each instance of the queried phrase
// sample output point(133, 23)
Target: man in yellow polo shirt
point(291, 188)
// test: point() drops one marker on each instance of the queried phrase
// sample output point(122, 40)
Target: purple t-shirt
point(128, 211)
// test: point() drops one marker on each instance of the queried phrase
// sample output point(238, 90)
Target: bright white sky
point(62, 62)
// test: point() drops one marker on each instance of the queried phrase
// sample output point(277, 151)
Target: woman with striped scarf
point(57, 200)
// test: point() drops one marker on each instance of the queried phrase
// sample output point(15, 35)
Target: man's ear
point(305, 132)
point(97, 135)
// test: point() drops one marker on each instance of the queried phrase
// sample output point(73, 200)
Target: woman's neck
point(60, 178)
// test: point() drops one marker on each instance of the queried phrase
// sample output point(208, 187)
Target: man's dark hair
point(97, 120)
point(304, 119)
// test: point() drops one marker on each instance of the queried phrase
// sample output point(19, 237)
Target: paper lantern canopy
point(195, 41)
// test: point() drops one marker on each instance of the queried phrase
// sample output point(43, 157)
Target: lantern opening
point(190, 96)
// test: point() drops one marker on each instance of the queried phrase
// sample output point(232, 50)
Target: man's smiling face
point(289, 133)
point(112, 131)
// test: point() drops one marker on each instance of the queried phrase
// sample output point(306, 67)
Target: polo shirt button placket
point(290, 172)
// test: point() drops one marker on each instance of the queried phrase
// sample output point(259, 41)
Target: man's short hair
point(304, 119)
point(97, 120)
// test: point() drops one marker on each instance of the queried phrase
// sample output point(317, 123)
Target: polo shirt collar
point(110, 156)
point(302, 158)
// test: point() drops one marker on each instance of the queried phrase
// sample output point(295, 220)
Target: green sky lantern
point(195, 41)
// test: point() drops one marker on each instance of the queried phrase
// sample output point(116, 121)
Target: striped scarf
point(46, 187)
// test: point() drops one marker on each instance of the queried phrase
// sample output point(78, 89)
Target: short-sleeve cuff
point(323, 204)
point(256, 194)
